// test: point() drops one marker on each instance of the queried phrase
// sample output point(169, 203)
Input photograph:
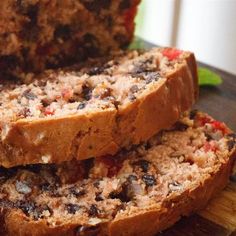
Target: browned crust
point(143, 222)
point(105, 132)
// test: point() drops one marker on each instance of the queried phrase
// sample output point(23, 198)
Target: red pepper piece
point(210, 147)
point(171, 53)
point(49, 111)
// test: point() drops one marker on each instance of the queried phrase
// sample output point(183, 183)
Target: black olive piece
point(98, 197)
point(179, 126)
point(93, 210)
point(26, 206)
point(149, 180)
point(193, 114)
point(87, 92)
point(29, 95)
point(125, 194)
point(208, 137)
point(95, 71)
point(81, 106)
point(76, 192)
point(72, 208)
point(231, 142)
point(152, 76)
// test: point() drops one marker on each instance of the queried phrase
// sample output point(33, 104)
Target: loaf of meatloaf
point(139, 191)
point(40, 34)
point(95, 110)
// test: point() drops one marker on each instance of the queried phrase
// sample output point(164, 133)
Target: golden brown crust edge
point(85, 136)
point(146, 223)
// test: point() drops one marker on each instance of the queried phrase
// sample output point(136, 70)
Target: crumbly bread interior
point(98, 190)
point(110, 85)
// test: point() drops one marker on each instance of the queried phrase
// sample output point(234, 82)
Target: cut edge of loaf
point(85, 136)
point(209, 167)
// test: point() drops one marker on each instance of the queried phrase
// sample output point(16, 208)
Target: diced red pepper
point(49, 111)
point(205, 120)
point(209, 146)
point(215, 124)
point(220, 126)
point(171, 53)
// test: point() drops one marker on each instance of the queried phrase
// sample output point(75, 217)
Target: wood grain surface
point(219, 217)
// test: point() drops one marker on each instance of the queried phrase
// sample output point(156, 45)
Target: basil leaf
point(208, 77)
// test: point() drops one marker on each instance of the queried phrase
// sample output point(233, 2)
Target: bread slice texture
point(95, 110)
point(140, 191)
point(40, 34)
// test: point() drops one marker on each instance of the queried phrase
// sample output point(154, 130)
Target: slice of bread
point(137, 192)
point(95, 110)
point(40, 34)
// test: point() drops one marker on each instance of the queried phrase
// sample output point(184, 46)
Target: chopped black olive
point(76, 192)
point(29, 95)
point(98, 197)
point(231, 142)
point(72, 208)
point(149, 180)
point(81, 106)
point(93, 210)
point(87, 92)
point(180, 126)
point(152, 76)
point(26, 206)
point(193, 114)
point(95, 70)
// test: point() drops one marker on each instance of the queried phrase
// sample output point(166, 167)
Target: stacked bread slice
point(108, 147)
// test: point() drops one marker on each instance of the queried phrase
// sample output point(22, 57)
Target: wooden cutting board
point(219, 217)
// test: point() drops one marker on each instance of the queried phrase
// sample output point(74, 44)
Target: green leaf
point(137, 44)
point(208, 77)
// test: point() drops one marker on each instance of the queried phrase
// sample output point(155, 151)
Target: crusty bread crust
point(105, 132)
point(144, 222)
